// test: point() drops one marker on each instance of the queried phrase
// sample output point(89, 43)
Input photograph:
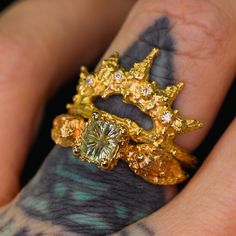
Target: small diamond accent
point(118, 76)
point(146, 91)
point(90, 80)
point(66, 130)
point(167, 117)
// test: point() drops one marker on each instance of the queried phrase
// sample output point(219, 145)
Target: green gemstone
point(100, 142)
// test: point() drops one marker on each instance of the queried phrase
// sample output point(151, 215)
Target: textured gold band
point(102, 138)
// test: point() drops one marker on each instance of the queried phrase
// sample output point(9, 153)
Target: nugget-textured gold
point(102, 138)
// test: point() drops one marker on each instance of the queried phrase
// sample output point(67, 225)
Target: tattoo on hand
point(71, 197)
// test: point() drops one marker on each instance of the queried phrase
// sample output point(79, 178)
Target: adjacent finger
point(41, 44)
point(207, 205)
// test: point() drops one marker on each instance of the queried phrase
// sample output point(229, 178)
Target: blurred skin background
point(56, 105)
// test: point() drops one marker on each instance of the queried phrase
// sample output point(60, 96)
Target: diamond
point(89, 80)
point(118, 76)
point(166, 117)
point(146, 91)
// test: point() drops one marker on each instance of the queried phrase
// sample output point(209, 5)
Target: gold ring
point(103, 139)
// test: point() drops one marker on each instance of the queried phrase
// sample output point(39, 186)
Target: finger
point(193, 38)
point(139, 198)
point(42, 43)
point(207, 205)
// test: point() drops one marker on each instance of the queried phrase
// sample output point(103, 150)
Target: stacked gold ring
point(102, 138)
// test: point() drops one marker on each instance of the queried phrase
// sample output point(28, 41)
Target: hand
point(42, 44)
point(194, 37)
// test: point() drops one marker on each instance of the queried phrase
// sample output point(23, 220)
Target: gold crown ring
point(102, 138)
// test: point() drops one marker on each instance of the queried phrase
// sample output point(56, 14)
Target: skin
point(33, 34)
point(207, 210)
point(71, 197)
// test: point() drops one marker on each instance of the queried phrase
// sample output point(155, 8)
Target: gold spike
point(181, 125)
point(83, 72)
point(141, 69)
point(173, 90)
point(113, 61)
point(193, 124)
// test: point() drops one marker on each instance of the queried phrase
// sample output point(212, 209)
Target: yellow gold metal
point(102, 138)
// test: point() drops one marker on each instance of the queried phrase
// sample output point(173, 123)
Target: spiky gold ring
point(102, 138)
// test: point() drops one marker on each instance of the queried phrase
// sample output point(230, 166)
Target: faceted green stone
point(100, 142)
